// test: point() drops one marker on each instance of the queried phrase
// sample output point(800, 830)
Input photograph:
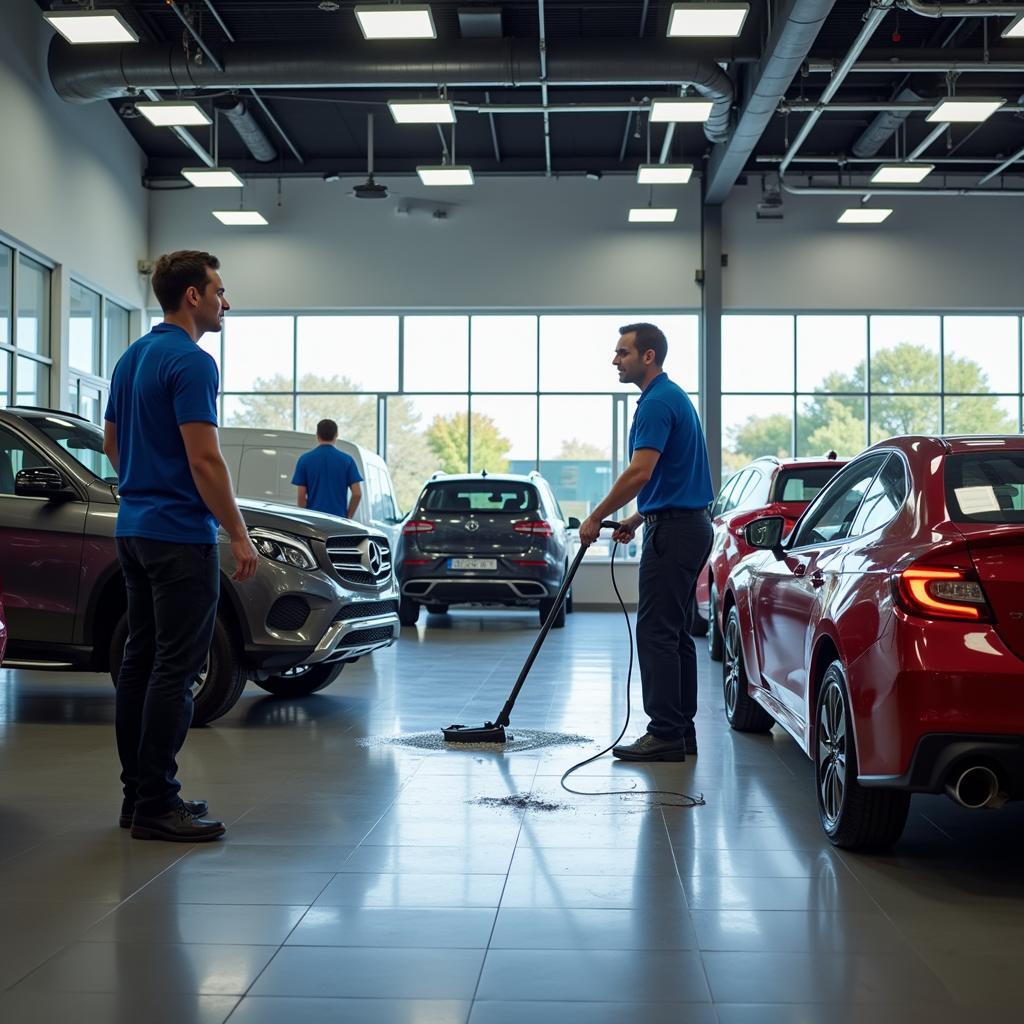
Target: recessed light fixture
point(422, 111)
point(968, 110)
point(240, 218)
point(396, 21)
point(173, 113)
point(664, 174)
point(694, 19)
point(901, 174)
point(92, 26)
point(683, 109)
point(653, 215)
point(1015, 30)
point(863, 215)
point(446, 174)
point(212, 177)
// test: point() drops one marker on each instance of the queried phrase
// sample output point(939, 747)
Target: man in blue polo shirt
point(668, 474)
point(325, 476)
point(160, 434)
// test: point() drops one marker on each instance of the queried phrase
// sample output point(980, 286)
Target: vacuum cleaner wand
point(494, 732)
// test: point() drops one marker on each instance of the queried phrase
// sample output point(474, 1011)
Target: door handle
point(817, 579)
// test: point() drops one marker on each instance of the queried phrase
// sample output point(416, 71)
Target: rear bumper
point(447, 590)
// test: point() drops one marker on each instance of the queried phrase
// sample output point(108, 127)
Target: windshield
point(803, 483)
point(81, 440)
point(485, 496)
point(986, 487)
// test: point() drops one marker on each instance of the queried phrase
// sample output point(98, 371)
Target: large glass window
point(347, 353)
point(436, 353)
point(24, 329)
point(115, 335)
point(84, 329)
point(33, 333)
point(503, 353)
point(259, 353)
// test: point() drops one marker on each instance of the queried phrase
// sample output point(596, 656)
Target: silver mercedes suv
point(324, 593)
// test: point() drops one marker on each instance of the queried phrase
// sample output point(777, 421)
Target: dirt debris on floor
point(520, 739)
point(519, 802)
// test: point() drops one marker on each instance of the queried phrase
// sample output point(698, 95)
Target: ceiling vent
point(480, 22)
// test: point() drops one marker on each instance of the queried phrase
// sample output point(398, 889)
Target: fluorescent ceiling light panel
point(455, 175)
point(664, 174)
point(901, 174)
point(240, 218)
point(965, 110)
point(652, 215)
point(706, 19)
point(396, 21)
point(683, 109)
point(422, 111)
point(212, 177)
point(863, 215)
point(173, 114)
point(92, 26)
point(1015, 30)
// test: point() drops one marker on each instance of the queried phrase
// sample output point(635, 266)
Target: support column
point(711, 337)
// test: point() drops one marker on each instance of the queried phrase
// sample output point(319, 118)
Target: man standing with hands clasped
point(160, 434)
point(669, 475)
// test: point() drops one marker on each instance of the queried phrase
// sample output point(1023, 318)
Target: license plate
point(472, 563)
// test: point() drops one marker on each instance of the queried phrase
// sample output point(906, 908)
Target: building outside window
point(25, 359)
point(98, 333)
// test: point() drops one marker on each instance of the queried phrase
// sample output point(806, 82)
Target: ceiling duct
point(884, 126)
point(104, 72)
point(248, 130)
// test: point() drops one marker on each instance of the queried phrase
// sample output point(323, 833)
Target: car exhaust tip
point(976, 787)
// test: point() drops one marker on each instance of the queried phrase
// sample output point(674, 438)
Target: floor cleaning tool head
point(488, 733)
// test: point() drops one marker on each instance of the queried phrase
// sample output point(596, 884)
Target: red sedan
point(886, 633)
point(768, 486)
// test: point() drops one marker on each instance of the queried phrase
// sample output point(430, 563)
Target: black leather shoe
point(650, 748)
point(177, 826)
point(690, 742)
point(196, 807)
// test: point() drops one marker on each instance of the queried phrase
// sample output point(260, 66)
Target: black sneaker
point(177, 826)
point(196, 807)
point(650, 748)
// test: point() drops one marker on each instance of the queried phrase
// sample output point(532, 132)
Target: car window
point(480, 496)
point(737, 491)
point(82, 441)
point(759, 495)
point(723, 494)
point(884, 498)
point(803, 483)
point(831, 518)
point(748, 497)
point(985, 487)
point(15, 455)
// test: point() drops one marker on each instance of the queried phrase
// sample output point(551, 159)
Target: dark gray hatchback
point(484, 540)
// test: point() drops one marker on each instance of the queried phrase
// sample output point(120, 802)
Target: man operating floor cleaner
point(668, 474)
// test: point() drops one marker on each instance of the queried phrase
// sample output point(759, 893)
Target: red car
point(768, 486)
point(886, 632)
point(3, 628)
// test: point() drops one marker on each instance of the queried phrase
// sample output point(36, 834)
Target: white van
point(262, 463)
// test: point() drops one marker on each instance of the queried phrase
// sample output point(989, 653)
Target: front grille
point(367, 636)
point(288, 612)
point(365, 561)
point(366, 610)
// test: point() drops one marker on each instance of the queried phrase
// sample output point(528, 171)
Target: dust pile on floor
point(520, 739)
point(518, 802)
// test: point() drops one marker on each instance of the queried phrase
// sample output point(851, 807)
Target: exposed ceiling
point(323, 130)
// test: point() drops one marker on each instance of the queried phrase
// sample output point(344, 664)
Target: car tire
point(852, 816)
point(437, 609)
point(714, 633)
point(545, 607)
point(302, 680)
point(217, 689)
point(742, 712)
point(408, 612)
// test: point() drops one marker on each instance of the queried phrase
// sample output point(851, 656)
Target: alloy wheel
point(731, 675)
point(832, 753)
point(199, 680)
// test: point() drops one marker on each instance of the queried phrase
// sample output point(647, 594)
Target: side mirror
point(43, 482)
point(573, 524)
point(765, 534)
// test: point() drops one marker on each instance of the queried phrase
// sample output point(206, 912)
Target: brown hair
point(176, 272)
point(647, 337)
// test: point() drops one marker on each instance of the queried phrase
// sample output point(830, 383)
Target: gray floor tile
point(412, 891)
point(822, 1013)
point(797, 931)
point(597, 891)
point(277, 1009)
point(981, 980)
point(565, 928)
point(391, 927)
point(590, 1013)
point(472, 859)
point(822, 892)
point(371, 973)
point(282, 888)
point(114, 1008)
point(189, 923)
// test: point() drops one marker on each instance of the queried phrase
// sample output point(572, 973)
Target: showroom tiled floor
point(364, 884)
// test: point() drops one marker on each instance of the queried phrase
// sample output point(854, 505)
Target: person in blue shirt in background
point(160, 434)
point(669, 475)
point(326, 476)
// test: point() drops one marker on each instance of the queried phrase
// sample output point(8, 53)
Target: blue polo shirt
point(163, 380)
point(327, 474)
point(666, 420)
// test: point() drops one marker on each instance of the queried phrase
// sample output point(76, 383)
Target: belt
point(650, 518)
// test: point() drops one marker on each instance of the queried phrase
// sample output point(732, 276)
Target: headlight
point(281, 547)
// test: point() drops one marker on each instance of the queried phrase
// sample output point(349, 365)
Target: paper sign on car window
point(977, 499)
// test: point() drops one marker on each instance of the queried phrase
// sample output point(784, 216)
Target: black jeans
point(172, 605)
point(674, 552)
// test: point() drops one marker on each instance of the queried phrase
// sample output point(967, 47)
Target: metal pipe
point(875, 67)
point(871, 22)
point(249, 131)
point(870, 107)
point(873, 160)
point(975, 787)
point(961, 10)
point(1019, 155)
point(629, 116)
point(936, 133)
point(494, 130)
point(194, 34)
point(553, 108)
point(544, 85)
point(811, 190)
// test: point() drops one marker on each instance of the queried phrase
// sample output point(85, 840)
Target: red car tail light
point(530, 561)
point(941, 593)
point(537, 527)
point(417, 561)
point(418, 526)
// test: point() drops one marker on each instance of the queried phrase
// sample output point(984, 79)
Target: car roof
point(38, 412)
point(951, 443)
point(511, 478)
point(796, 461)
